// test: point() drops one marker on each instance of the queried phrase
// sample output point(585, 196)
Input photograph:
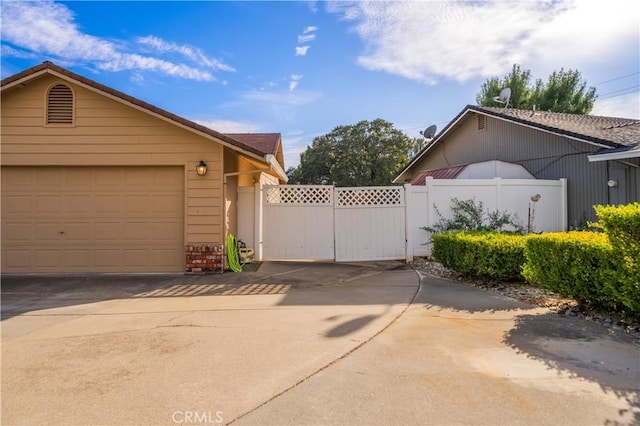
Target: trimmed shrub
point(492, 255)
point(621, 224)
point(574, 264)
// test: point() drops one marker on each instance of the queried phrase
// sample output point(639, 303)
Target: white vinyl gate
point(304, 222)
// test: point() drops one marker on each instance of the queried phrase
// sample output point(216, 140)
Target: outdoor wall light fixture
point(201, 168)
point(612, 183)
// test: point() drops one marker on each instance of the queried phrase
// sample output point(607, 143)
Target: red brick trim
point(204, 259)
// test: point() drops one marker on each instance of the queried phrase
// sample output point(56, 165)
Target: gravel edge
point(532, 295)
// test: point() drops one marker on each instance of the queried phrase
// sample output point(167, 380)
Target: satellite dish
point(505, 95)
point(429, 132)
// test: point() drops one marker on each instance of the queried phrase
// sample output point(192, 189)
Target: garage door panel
point(77, 231)
point(165, 231)
point(137, 257)
point(113, 219)
point(136, 204)
point(48, 177)
point(77, 205)
point(45, 259)
point(77, 178)
point(17, 204)
point(21, 180)
point(48, 205)
point(164, 203)
point(109, 258)
point(136, 231)
point(48, 231)
point(17, 231)
point(107, 204)
point(162, 258)
point(109, 179)
point(138, 179)
point(16, 259)
point(76, 258)
point(107, 231)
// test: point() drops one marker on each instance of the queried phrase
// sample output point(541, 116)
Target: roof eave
point(480, 110)
point(52, 69)
point(433, 143)
point(605, 156)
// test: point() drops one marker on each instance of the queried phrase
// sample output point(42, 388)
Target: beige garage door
point(92, 219)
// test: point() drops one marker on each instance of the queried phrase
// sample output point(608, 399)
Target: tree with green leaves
point(565, 91)
point(364, 154)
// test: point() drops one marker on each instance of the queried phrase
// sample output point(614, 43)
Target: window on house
point(482, 122)
point(60, 105)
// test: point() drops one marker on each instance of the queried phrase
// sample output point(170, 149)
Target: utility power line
point(617, 78)
point(620, 92)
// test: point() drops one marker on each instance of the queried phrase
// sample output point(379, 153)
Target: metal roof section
point(445, 173)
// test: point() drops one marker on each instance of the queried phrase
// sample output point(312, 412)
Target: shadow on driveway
point(570, 345)
point(581, 349)
point(27, 293)
point(451, 295)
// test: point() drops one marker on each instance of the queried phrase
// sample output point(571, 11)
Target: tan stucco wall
point(107, 132)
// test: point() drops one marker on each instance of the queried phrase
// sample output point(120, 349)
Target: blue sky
point(303, 68)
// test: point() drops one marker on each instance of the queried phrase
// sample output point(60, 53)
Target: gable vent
point(482, 122)
point(60, 105)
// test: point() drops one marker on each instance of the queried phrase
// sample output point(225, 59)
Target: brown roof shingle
point(611, 131)
point(265, 142)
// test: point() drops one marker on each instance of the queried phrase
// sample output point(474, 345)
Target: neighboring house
point(94, 180)
point(599, 156)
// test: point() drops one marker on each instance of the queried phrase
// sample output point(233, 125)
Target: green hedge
point(574, 264)
point(598, 269)
point(622, 226)
point(483, 254)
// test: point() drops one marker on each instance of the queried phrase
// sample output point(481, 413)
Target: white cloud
point(229, 126)
point(626, 106)
point(306, 38)
point(313, 6)
point(302, 50)
point(16, 53)
point(138, 62)
point(190, 52)
point(49, 29)
point(309, 29)
point(295, 80)
point(427, 41)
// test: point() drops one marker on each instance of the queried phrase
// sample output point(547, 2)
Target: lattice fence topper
point(284, 194)
point(370, 197)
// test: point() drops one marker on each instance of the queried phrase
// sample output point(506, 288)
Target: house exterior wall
point(109, 133)
point(544, 155)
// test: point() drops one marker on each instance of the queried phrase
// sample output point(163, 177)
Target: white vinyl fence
point(306, 222)
point(514, 196)
point(370, 223)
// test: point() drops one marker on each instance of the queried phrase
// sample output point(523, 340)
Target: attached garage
point(94, 180)
point(103, 219)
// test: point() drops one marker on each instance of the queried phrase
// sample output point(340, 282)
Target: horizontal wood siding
point(544, 155)
point(106, 132)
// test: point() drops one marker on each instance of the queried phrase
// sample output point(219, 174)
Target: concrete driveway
point(182, 349)
point(303, 344)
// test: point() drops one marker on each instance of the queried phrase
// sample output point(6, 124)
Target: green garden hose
point(232, 254)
